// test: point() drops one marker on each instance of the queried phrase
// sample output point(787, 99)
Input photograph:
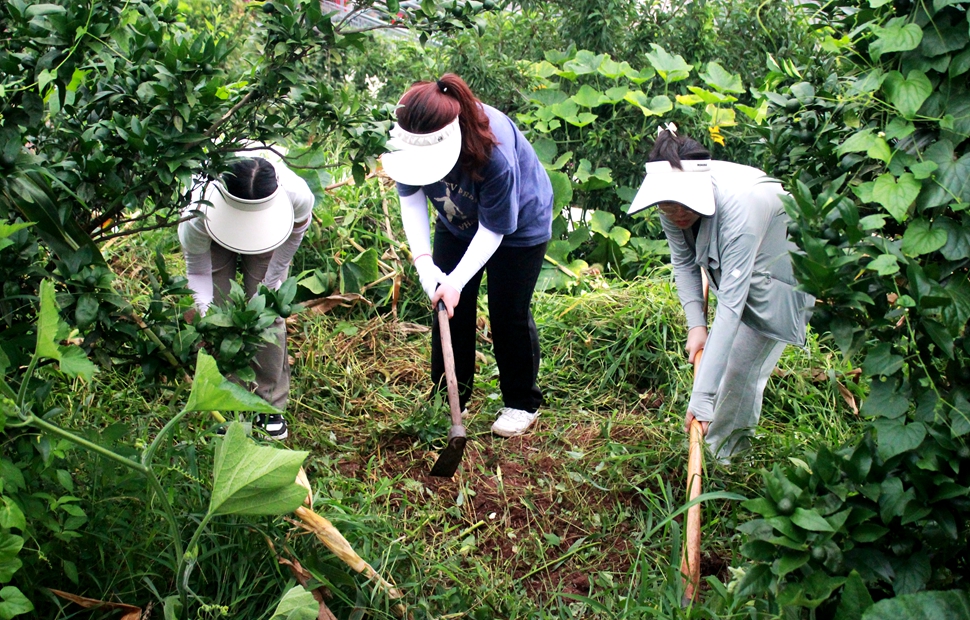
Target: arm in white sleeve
point(283, 256)
point(199, 273)
point(483, 245)
point(414, 218)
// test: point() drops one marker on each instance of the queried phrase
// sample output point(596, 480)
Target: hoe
point(450, 457)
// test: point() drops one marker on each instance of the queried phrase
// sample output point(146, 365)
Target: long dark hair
point(429, 106)
point(251, 179)
point(676, 148)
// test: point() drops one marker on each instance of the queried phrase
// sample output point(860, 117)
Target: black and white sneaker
point(273, 424)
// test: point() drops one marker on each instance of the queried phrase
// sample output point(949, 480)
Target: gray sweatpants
point(737, 404)
point(271, 365)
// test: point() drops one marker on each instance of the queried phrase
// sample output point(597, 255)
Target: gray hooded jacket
point(744, 248)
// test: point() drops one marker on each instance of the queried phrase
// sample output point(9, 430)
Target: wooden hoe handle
point(690, 566)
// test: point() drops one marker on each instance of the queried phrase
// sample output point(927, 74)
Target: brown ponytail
point(428, 106)
point(674, 148)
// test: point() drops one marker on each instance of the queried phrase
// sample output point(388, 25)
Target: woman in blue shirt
point(494, 215)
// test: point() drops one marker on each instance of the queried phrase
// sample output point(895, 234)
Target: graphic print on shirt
point(456, 217)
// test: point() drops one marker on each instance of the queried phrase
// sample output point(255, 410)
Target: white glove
point(428, 273)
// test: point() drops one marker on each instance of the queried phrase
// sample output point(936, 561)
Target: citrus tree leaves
point(254, 480)
point(907, 94)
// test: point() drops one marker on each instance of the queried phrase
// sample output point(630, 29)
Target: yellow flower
point(716, 136)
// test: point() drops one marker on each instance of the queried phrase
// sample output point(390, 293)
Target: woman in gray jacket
point(727, 220)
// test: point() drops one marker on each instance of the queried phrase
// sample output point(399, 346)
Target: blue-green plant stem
point(146, 456)
point(22, 392)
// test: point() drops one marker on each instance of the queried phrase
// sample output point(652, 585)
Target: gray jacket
point(744, 248)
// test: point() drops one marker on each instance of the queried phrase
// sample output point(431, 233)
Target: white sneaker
point(513, 422)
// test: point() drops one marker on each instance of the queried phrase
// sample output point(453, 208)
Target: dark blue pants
point(512, 275)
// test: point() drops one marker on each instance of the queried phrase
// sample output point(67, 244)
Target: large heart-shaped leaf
point(670, 67)
point(254, 480)
point(588, 96)
point(896, 437)
point(721, 80)
point(13, 602)
point(897, 36)
point(213, 392)
point(950, 181)
point(922, 238)
point(297, 604)
point(907, 94)
point(896, 195)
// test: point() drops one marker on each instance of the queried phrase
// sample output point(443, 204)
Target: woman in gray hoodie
point(729, 221)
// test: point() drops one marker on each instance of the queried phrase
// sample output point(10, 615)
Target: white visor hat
point(691, 187)
point(248, 226)
point(422, 158)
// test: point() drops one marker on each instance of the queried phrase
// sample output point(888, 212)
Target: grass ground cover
point(533, 524)
point(560, 523)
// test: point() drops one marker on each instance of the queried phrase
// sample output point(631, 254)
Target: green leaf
point(884, 265)
point(957, 239)
point(717, 78)
point(881, 361)
point(896, 195)
point(788, 562)
point(620, 235)
point(86, 311)
point(869, 532)
point(922, 238)
point(884, 400)
point(756, 580)
point(671, 68)
point(47, 322)
point(13, 602)
point(588, 96)
point(75, 363)
point(810, 520)
point(562, 189)
point(933, 605)
point(545, 149)
point(873, 145)
point(951, 180)
point(907, 94)
point(912, 573)
point(11, 517)
point(897, 36)
point(707, 96)
point(212, 392)
point(601, 222)
point(896, 437)
point(584, 62)
point(254, 480)
point(10, 546)
point(297, 604)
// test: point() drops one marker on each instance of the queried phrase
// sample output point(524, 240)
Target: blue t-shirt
point(514, 197)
